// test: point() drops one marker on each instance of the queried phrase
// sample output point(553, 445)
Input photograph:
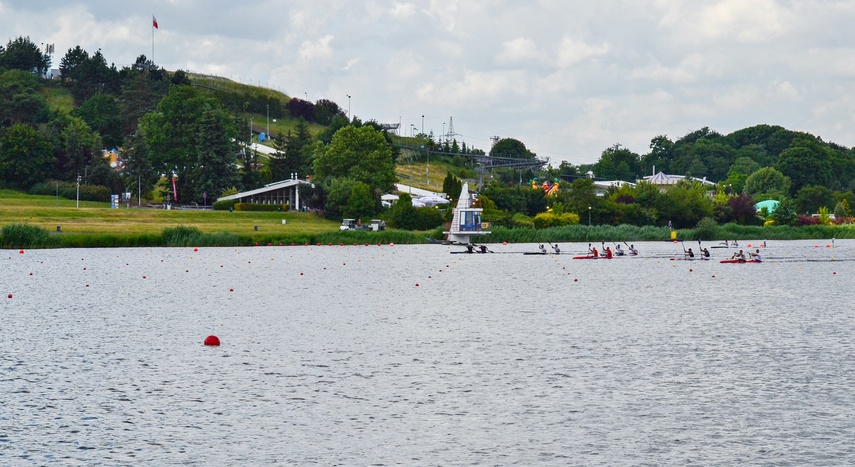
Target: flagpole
point(152, 39)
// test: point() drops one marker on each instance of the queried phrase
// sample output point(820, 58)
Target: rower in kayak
point(740, 255)
point(556, 249)
point(689, 254)
point(755, 256)
point(632, 250)
point(618, 251)
point(705, 252)
point(593, 251)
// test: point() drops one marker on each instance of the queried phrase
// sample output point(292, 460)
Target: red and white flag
point(174, 190)
point(154, 22)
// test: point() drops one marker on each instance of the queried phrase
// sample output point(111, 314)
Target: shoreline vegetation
point(30, 221)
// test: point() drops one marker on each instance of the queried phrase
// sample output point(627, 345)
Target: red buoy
point(10, 295)
point(212, 340)
point(195, 249)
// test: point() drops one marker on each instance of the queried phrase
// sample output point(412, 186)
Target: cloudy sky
point(567, 78)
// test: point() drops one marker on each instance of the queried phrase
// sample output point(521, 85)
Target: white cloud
point(521, 49)
point(572, 52)
point(318, 49)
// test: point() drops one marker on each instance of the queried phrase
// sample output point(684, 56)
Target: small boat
point(535, 253)
point(591, 257)
point(728, 261)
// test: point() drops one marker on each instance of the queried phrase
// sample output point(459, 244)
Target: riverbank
point(47, 222)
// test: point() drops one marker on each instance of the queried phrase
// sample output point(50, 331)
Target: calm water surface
point(385, 355)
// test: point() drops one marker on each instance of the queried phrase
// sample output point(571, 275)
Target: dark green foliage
point(103, 114)
point(20, 99)
point(785, 213)
point(68, 190)
point(360, 203)
point(511, 148)
point(26, 236)
point(255, 207)
point(224, 205)
point(452, 186)
point(706, 229)
point(618, 163)
point(25, 156)
point(810, 198)
point(23, 54)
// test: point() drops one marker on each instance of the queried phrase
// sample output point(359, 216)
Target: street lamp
point(589, 216)
point(427, 154)
point(348, 108)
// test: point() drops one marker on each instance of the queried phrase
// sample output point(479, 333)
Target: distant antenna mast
point(450, 135)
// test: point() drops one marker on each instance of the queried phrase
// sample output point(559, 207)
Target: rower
point(608, 253)
point(689, 254)
point(557, 250)
point(739, 255)
point(469, 248)
point(618, 250)
point(632, 250)
point(755, 256)
point(483, 248)
point(593, 251)
point(542, 249)
point(705, 252)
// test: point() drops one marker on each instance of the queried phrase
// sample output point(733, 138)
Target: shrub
point(706, 229)
point(519, 220)
point(544, 220)
point(254, 207)
point(807, 220)
point(68, 190)
point(224, 205)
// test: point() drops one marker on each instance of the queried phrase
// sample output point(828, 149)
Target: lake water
point(383, 355)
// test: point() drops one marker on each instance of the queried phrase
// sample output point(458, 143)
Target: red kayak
point(590, 257)
point(740, 261)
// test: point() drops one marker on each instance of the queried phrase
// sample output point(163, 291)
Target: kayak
point(590, 257)
point(534, 253)
point(727, 261)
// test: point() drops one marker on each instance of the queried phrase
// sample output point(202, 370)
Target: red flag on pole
point(174, 190)
point(154, 22)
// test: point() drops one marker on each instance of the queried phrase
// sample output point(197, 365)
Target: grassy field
point(98, 218)
point(97, 225)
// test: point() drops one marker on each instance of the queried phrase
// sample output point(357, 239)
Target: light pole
point(268, 120)
point(350, 117)
point(78, 190)
point(589, 216)
point(427, 154)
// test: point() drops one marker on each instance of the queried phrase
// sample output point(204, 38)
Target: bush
point(68, 190)
point(519, 220)
point(706, 229)
point(254, 207)
point(26, 236)
point(545, 220)
point(224, 205)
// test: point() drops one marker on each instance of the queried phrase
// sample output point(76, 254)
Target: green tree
point(103, 114)
point(685, 204)
point(806, 164)
point(22, 54)
point(214, 170)
point(618, 163)
point(25, 156)
point(357, 153)
point(810, 198)
point(511, 148)
point(172, 134)
point(767, 181)
point(79, 148)
point(660, 156)
point(360, 203)
point(785, 213)
point(20, 98)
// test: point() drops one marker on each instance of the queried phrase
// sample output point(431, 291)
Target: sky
point(567, 78)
